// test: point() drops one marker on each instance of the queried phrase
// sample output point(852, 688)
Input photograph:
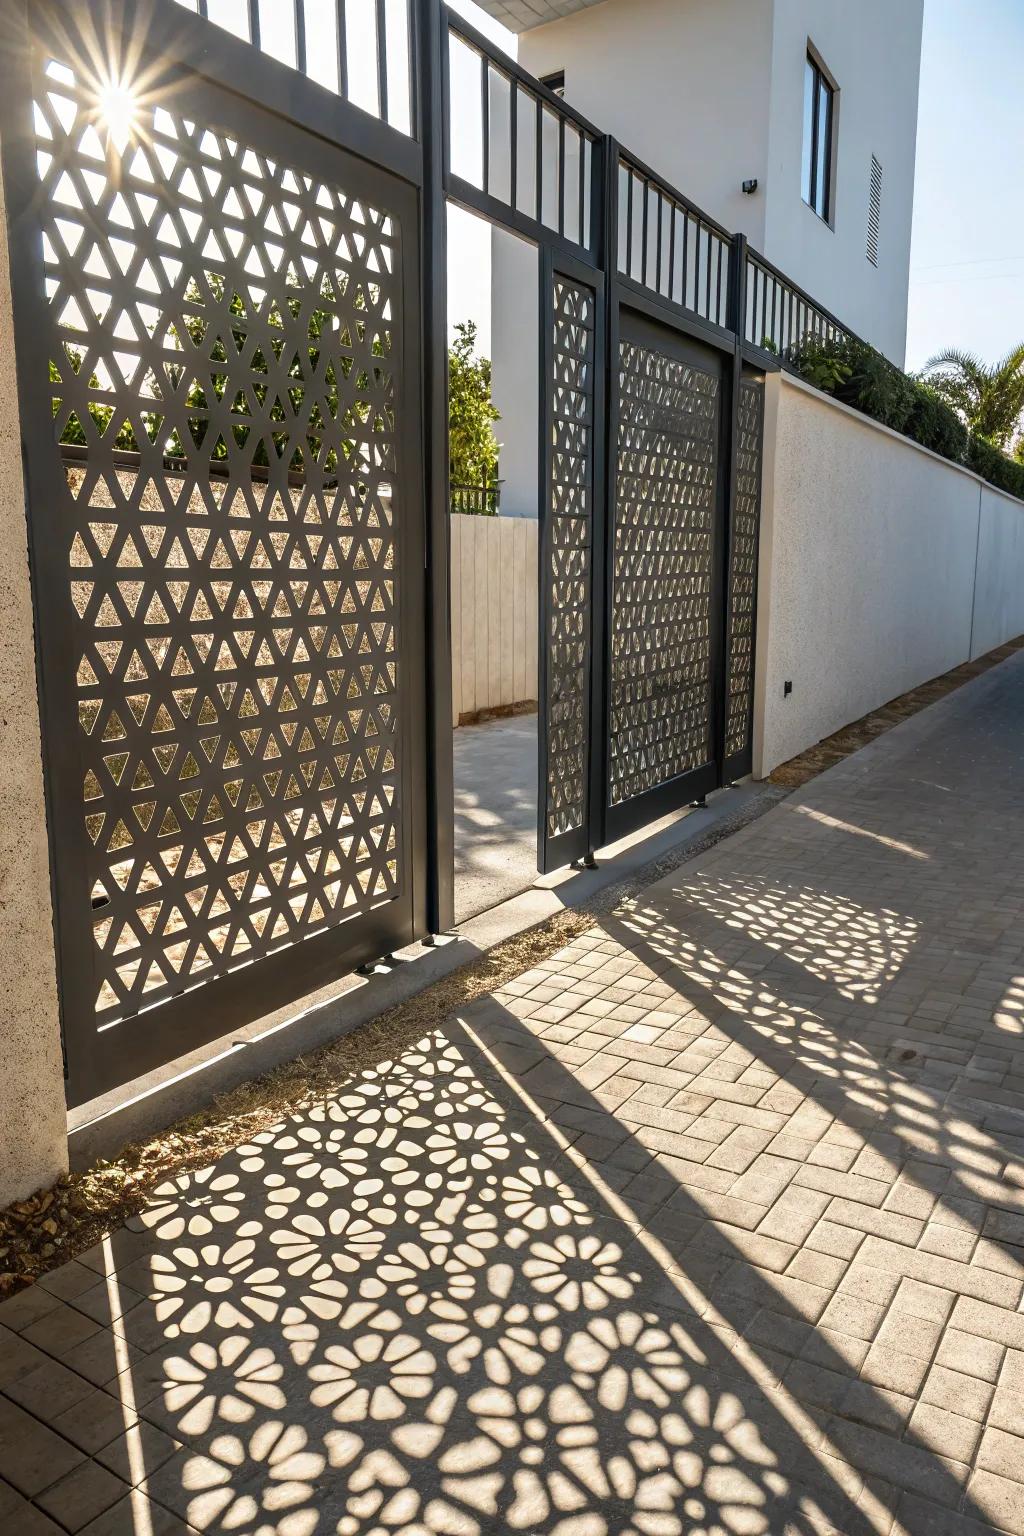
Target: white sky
point(967, 260)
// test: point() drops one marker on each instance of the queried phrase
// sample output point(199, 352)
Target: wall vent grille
point(874, 210)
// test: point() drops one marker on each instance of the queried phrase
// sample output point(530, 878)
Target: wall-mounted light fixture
point(750, 186)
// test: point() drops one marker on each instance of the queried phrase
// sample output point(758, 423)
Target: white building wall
point(684, 84)
point(873, 50)
point(515, 364)
point(867, 581)
point(710, 93)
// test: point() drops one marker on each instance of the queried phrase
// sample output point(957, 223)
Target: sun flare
point(119, 112)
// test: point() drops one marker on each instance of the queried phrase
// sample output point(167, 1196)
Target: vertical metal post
point(545, 396)
point(737, 324)
point(431, 55)
point(605, 213)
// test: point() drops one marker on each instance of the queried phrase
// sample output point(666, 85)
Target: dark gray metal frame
point(204, 65)
point(677, 270)
point(576, 842)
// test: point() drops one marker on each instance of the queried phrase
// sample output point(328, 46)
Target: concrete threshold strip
point(143, 1108)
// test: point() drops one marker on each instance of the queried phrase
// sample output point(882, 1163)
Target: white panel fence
point(494, 615)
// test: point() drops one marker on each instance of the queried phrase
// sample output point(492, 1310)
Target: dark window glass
point(819, 116)
point(806, 181)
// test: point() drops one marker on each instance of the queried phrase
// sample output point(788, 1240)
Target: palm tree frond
point(964, 362)
point(1013, 362)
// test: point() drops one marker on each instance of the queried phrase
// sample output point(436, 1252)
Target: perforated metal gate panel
point(566, 576)
point(660, 697)
point(743, 577)
point(224, 334)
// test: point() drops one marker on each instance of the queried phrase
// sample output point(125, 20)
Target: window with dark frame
point(819, 121)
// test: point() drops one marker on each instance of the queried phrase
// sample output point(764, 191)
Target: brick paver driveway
point(713, 1223)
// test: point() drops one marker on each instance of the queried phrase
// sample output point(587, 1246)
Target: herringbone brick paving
point(712, 1223)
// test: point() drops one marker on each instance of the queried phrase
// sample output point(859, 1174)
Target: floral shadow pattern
point(410, 1310)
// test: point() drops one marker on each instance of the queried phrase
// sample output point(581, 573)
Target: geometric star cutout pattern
point(570, 535)
point(223, 362)
point(662, 571)
point(743, 567)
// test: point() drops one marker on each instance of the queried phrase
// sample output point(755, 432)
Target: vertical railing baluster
point(561, 174)
point(685, 257)
point(707, 302)
point(300, 36)
point(254, 22)
point(658, 237)
point(540, 159)
point(513, 145)
point(381, 24)
point(485, 120)
point(341, 8)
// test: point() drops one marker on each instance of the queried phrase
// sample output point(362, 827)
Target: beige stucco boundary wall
point(882, 565)
point(494, 614)
point(33, 1117)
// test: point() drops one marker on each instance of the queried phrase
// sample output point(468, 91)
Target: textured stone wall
point(33, 1117)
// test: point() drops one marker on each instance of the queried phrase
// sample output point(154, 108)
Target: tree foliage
point(473, 447)
point(313, 444)
point(857, 374)
point(988, 397)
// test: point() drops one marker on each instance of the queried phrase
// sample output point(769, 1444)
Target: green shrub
point(987, 461)
point(860, 377)
point(877, 387)
point(935, 425)
point(822, 364)
point(472, 445)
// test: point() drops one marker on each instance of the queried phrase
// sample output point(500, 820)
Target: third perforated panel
point(662, 570)
point(566, 569)
point(743, 575)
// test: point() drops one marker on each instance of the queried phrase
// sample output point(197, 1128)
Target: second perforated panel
point(566, 574)
point(660, 722)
